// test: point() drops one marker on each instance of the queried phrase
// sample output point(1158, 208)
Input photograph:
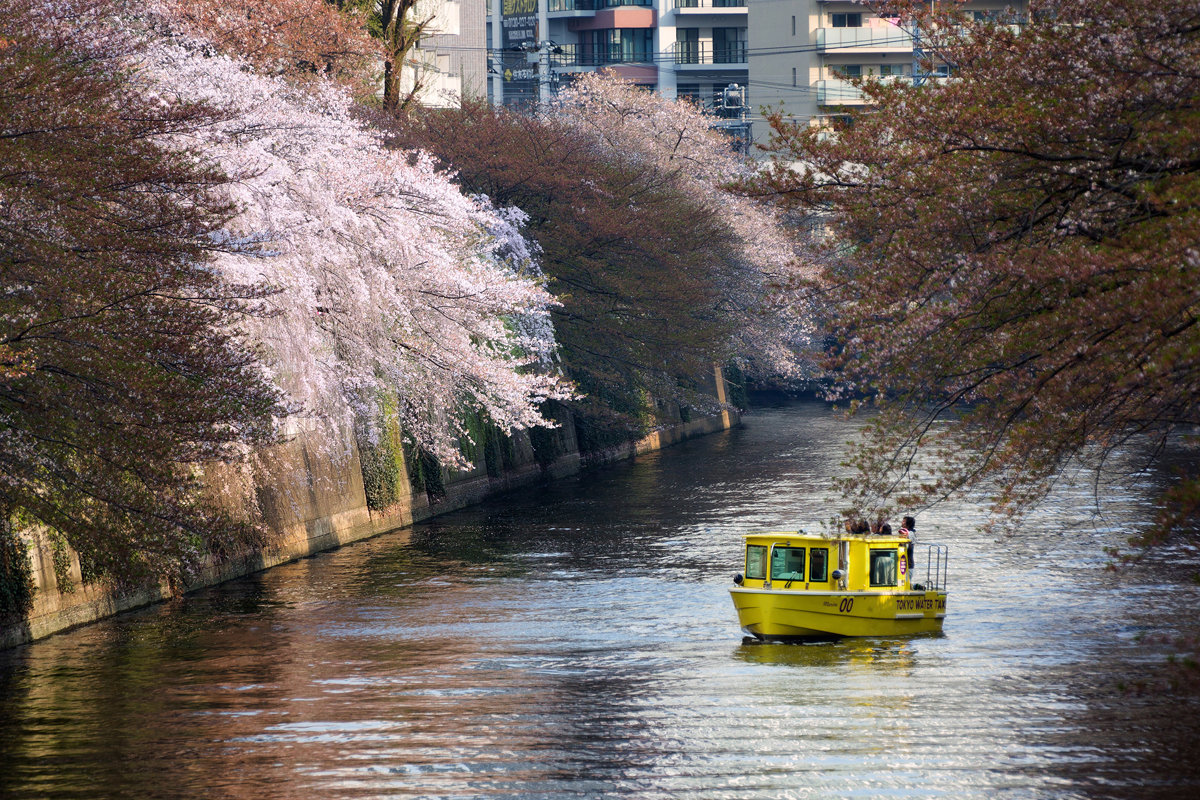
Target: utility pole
point(544, 45)
point(496, 65)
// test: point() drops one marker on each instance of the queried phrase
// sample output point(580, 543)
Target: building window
point(687, 46)
point(883, 567)
point(729, 45)
point(849, 70)
point(793, 25)
point(818, 564)
point(787, 563)
point(756, 562)
point(793, 76)
point(847, 20)
point(891, 69)
point(618, 46)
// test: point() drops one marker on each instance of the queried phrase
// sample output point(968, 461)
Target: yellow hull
point(785, 614)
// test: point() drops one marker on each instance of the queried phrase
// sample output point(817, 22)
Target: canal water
point(576, 640)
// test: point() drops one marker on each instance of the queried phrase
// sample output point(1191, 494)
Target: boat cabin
point(846, 563)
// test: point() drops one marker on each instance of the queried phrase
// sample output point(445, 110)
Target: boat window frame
point(763, 562)
point(824, 578)
point(895, 558)
point(792, 575)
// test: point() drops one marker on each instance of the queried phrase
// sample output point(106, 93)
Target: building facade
point(681, 48)
point(451, 60)
point(802, 52)
point(794, 54)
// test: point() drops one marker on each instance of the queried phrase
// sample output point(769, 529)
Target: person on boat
point(909, 530)
point(885, 529)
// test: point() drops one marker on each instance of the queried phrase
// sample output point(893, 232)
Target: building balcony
point(875, 39)
point(573, 55)
point(836, 92)
point(705, 54)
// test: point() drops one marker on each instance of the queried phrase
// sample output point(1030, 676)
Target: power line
point(664, 55)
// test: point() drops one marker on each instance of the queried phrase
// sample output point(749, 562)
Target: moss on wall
point(16, 574)
point(735, 387)
point(382, 457)
point(62, 562)
point(424, 472)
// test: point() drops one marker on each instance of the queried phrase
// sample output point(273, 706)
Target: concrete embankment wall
point(313, 499)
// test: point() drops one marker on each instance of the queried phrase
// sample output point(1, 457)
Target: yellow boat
point(804, 586)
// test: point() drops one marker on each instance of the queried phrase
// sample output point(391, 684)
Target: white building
point(801, 51)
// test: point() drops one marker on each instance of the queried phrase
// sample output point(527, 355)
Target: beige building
point(801, 51)
point(451, 60)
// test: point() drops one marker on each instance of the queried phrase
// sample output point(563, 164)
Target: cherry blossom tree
point(190, 250)
point(1019, 280)
point(386, 278)
point(764, 273)
point(626, 254)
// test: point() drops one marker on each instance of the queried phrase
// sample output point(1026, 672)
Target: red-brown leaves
point(1025, 244)
point(119, 367)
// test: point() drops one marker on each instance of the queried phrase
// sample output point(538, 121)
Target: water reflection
point(870, 654)
point(577, 640)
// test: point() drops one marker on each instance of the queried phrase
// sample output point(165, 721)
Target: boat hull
point(781, 614)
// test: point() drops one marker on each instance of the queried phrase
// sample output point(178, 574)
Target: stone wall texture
point(310, 490)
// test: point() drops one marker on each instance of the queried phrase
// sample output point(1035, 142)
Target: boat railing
point(937, 567)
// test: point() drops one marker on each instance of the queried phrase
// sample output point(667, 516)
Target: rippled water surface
point(577, 640)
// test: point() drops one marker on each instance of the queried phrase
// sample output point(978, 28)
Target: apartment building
point(681, 48)
point(802, 51)
point(797, 54)
point(451, 60)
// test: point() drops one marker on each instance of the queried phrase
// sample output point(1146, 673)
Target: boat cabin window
point(883, 567)
point(787, 564)
point(756, 562)
point(818, 564)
